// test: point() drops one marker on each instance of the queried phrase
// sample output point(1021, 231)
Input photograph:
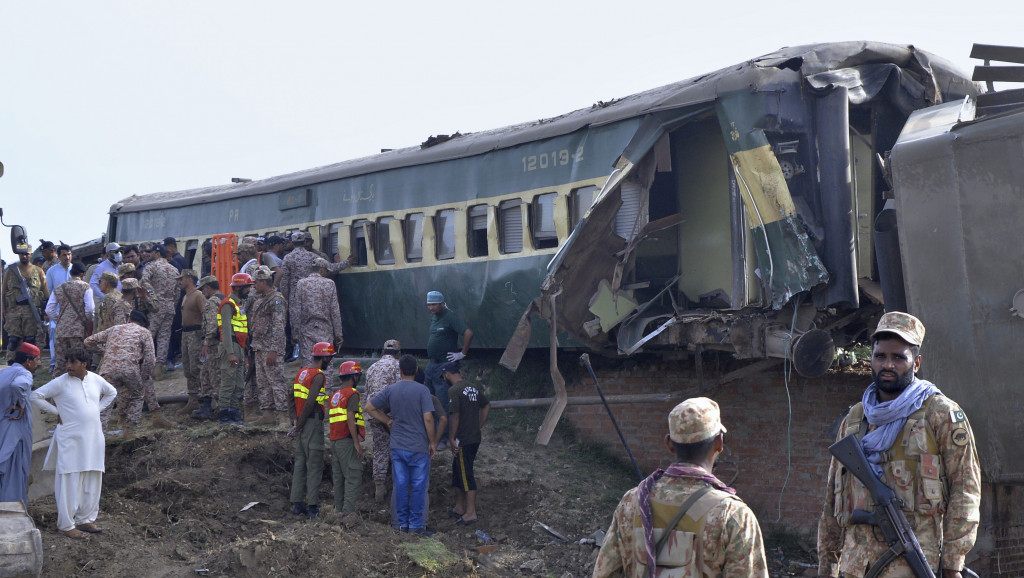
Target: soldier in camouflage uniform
point(381, 374)
point(927, 456)
point(19, 320)
point(315, 312)
point(72, 306)
point(209, 375)
point(135, 298)
point(161, 278)
point(127, 356)
point(298, 265)
point(126, 270)
point(109, 312)
point(718, 525)
point(266, 335)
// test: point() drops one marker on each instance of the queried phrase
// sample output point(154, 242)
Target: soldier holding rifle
point(920, 444)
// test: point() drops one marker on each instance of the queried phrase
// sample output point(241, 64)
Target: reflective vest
point(239, 325)
point(337, 414)
point(303, 381)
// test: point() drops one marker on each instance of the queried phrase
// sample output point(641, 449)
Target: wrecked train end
point(740, 215)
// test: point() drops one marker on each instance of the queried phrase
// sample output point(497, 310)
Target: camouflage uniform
point(147, 307)
point(45, 265)
point(316, 316)
point(18, 319)
point(70, 332)
point(933, 467)
point(729, 536)
point(266, 317)
point(298, 265)
point(128, 356)
point(381, 374)
point(209, 376)
point(160, 277)
point(110, 311)
point(192, 339)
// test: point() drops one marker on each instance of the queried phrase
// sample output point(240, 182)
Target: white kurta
point(77, 444)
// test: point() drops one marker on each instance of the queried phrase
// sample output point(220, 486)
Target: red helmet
point(241, 280)
point(323, 349)
point(349, 368)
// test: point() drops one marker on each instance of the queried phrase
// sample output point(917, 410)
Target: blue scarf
point(890, 417)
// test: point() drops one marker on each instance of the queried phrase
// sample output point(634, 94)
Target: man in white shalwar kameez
point(77, 448)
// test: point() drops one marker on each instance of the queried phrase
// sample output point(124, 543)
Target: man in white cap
point(685, 510)
point(111, 259)
point(920, 444)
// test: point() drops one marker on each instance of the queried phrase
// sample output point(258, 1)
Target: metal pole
point(585, 362)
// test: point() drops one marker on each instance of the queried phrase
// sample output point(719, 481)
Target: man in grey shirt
point(412, 446)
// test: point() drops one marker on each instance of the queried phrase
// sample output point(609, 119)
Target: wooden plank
point(998, 74)
point(561, 396)
point(998, 53)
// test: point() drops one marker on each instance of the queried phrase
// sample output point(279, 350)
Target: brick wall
point(756, 412)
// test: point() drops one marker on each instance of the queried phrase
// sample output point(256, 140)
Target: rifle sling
point(28, 294)
point(679, 516)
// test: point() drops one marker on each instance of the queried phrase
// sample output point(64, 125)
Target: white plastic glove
point(456, 356)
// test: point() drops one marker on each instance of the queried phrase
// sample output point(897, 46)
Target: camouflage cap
point(130, 284)
point(320, 263)
point(393, 344)
point(125, 268)
point(905, 325)
point(245, 247)
point(206, 281)
point(110, 277)
point(188, 273)
point(262, 273)
point(694, 420)
point(250, 239)
point(298, 236)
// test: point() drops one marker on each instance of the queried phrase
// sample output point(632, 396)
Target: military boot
point(267, 417)
point(226, 416)
point(204, 411)
point(191, 406)
point(158, 422)
point(236, 417)
point(251, 411)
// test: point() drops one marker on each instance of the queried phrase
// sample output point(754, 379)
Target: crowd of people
point(109, 330)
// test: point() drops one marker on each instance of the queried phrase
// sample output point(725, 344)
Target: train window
point(413, 232)
point(444, 232)
point(579, 201)
point(382, 243)
point(542, 221)
point(359, 228)
point(191, 247)
point(332, 239)
point(510, 226)
point(477, 216)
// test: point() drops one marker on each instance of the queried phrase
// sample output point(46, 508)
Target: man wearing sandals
point(674, 515)
point(77, 448)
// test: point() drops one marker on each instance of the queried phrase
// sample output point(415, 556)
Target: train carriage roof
point(864, 67)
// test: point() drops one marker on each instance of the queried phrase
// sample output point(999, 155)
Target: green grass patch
point(429, 554)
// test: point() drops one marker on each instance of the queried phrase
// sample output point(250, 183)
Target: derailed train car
point(733, 211)
point(739, 217)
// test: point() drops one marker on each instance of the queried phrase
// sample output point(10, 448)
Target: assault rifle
point(26, 296)
point(888, 514)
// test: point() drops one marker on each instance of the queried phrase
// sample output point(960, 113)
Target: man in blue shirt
point(112, 258)
point(55, 277)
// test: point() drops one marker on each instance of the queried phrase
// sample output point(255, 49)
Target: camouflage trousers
point(271, 388)
point(209, 376)
point(381, 440)
point(160, 326)
point(19, 322)
point(232, 377)
point(62, 345)
point(149, 393)
point(130, 397)
point(306, 342)
point(191, 351)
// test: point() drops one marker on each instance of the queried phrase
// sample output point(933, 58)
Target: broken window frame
point(412, 229)
point(444, 229)
point(382, 248)
point(577, 207)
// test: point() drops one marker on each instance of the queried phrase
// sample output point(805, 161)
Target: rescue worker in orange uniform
point(234, 331)
point(347, 432)
point(309, 432)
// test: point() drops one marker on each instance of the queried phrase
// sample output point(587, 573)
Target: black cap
point(170, 241)
point(77, 269)
point(274, 240)
point(139, 317)
point(46, 245)
point(450, 367)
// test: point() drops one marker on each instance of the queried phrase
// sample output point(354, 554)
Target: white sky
point(102, 100)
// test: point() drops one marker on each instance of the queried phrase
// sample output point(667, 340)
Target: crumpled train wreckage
point(747, 213)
